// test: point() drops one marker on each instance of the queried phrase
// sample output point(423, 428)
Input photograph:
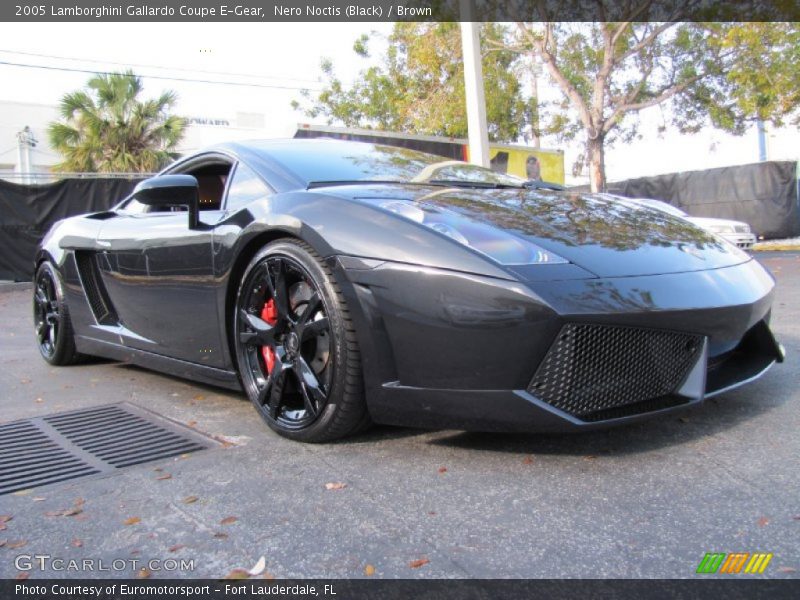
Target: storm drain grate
point(65, 446)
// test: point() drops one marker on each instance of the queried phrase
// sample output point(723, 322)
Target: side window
point(245, 187)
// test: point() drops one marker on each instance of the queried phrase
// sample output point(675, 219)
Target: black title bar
point(438, 589)
point(397, 10)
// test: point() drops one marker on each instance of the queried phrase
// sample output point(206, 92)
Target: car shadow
point(714, 416)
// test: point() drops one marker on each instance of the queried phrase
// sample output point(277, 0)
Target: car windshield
point(321, 162)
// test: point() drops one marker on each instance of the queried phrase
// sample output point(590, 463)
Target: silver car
point(736, 232)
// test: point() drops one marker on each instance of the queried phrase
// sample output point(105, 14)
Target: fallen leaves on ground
point(369, 570)
point(683, 419)
point(786, 570)
point(176, 547)
point(191, 423)
point(226, 441)
point(335, 485)
point(220, 535)
point(143, 573)
point(589, 457)
point(199, 397)
point(16, 544)
point(39, 499)
point(39, 400)
point(22, 576)
point(163, 477)
point(228, 520)
point(528, 460)
point(76, 509)
point(763, 521)
point(259, 567)
point(5, 518)
point(3, 543)
point(442, 470)
point(238, 573)
point(190, 499)
point(77, 543)
point(24, 380)
point(132, 521)
point(420, 562)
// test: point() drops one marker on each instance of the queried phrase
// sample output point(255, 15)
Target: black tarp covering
point(28, 211)
point(765, 195)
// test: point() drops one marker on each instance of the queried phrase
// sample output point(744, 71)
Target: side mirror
point(171, 190)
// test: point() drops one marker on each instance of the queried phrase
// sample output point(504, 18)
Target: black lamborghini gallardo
point(342, 283)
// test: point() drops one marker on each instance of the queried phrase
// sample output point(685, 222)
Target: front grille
point(597, 372)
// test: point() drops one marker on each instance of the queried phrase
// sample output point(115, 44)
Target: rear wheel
point(52, 325)
point(295, 346)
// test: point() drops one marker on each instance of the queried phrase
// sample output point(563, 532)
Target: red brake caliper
point(269, 314)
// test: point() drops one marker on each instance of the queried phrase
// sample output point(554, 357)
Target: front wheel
point(295, 346)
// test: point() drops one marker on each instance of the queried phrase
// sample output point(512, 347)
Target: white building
point(26, 155)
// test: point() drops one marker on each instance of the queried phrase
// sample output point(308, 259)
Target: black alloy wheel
point(296, 349)
point(52, 325)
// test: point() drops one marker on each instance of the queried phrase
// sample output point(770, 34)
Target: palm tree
point(106, 128)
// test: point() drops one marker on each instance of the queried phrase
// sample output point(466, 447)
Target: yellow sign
point(528, 163)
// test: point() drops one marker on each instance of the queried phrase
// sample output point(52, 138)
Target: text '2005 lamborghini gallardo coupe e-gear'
point(341, 283)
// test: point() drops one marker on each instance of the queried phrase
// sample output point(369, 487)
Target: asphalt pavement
point(647, 500)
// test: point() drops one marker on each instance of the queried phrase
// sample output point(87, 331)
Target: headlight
point(495, 243)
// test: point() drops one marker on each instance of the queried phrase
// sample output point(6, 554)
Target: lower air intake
point(598, 372)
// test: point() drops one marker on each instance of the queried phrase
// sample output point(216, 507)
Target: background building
point(26, 155)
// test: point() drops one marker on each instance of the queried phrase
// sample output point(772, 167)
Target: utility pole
point(536, 71)
point(763, 153)
point(473, 87)
point(25, 141)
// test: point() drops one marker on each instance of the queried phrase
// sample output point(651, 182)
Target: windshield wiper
point(318, 184)
point(536, 184)
point(483, 185)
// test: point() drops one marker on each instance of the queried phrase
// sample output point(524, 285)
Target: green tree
point(108, 128)
point(418, 86)
point(723, 74)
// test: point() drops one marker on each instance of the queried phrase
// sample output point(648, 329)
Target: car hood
point(605, 237)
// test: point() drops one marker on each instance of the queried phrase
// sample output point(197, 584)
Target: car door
point(159, 276)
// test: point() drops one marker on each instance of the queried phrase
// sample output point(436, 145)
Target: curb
point(14, 286)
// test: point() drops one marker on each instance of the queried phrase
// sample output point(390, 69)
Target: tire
point(52, 325)
point(295, 345)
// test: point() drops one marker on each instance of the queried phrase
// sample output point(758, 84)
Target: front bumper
point(744, 241)
point(447, 349)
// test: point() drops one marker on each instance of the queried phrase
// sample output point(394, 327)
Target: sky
point(281, 59)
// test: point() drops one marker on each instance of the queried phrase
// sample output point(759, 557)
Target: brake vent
point(95, 291)
point(600, 372)
point(66, 446)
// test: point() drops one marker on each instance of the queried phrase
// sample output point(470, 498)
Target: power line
point(163, 68)
point(182, 79)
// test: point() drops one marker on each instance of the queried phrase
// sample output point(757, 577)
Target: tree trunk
point(597, 163)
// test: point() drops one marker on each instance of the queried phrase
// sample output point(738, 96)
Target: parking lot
point(643, 501)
